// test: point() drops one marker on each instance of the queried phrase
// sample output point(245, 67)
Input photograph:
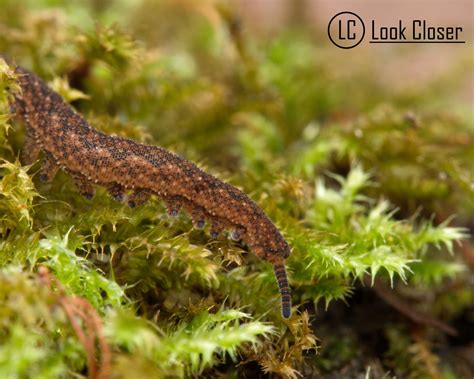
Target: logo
point(346, 30)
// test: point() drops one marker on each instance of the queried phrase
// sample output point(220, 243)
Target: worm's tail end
point(282, 279)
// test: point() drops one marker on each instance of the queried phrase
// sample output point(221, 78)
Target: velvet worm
point(121, 165)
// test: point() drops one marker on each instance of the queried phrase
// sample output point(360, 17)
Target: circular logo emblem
point(346, 30)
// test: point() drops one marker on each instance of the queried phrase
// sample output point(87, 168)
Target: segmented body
point(122, 165)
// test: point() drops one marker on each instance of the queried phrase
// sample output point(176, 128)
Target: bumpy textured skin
point(121, 165)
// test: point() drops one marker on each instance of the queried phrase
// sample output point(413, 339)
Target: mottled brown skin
point(121, 165)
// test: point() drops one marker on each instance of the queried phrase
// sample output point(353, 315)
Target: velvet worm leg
point(49, 168)
point(198, 216)
point(237, 233)
point(217, 228)
point(30, 151)
point(116, 191)
point(173, 205)
point(84, 186)
point(282, 279)
point(139, 197)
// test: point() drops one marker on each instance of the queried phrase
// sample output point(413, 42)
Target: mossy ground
point(373, 190)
